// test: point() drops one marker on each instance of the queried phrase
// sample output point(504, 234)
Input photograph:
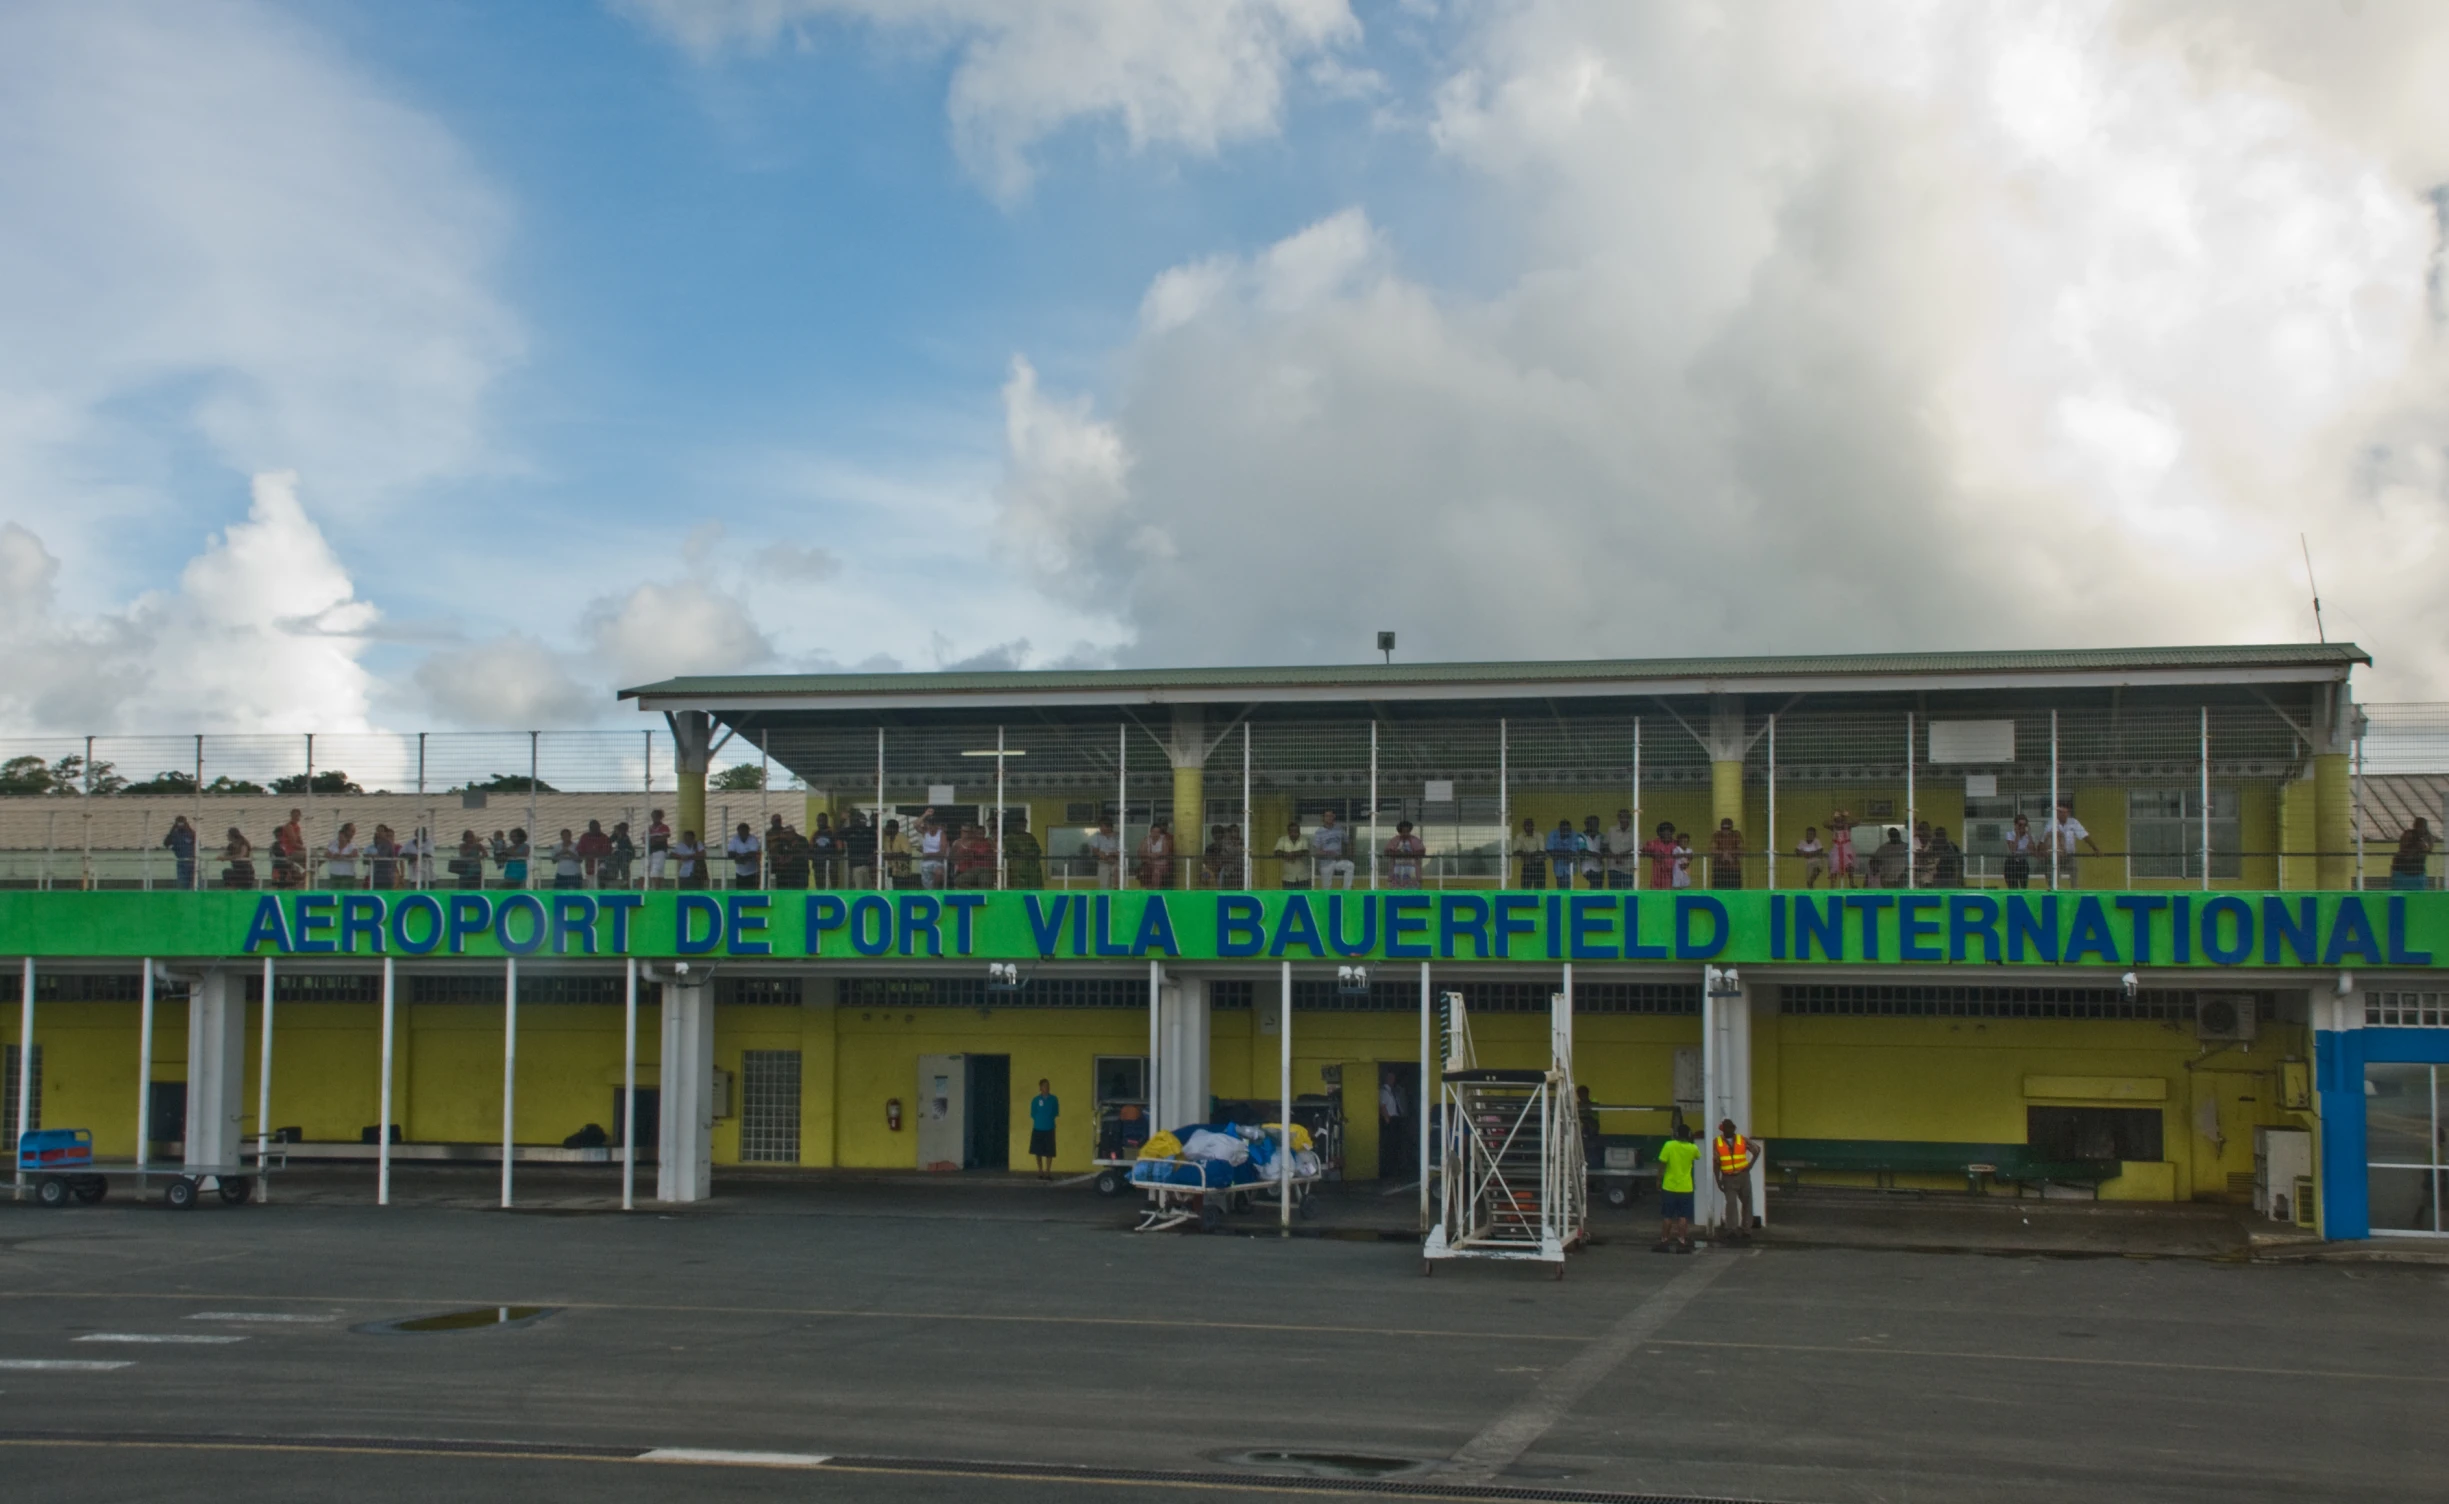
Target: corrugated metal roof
point(2392, 801)
point(2315, 658)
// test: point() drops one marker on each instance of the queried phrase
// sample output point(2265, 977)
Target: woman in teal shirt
point(1044, 1108)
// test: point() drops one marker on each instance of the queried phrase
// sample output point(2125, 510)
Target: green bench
point(1885, 1159)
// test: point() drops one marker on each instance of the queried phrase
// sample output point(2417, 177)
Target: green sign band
point(1879, 927)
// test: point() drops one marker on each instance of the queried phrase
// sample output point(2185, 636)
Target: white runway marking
point(64, 1365)
point(256, 1316)
point(711, 1456)
point(184, 1339)
point(1511, 1434)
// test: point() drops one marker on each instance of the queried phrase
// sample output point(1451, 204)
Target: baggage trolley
point(59, 1165)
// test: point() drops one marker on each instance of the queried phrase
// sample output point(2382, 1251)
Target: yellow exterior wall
point(877, 1060)
point(89, 1067)
point(1962, 1080)
point(2333, 821)
point(1950, 1080)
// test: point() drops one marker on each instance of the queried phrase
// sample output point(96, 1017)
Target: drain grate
point(1428, 1487)
point(1326, 1464)
point(474, 1319)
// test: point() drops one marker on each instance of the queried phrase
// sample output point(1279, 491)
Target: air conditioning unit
point(2228, 1016)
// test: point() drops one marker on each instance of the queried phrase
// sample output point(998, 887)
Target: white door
point(943, 1099)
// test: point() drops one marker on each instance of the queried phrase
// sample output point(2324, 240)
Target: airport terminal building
point(2111, 923)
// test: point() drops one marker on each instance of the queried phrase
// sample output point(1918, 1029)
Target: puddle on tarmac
point(474, 1319)
point(1326, 1464)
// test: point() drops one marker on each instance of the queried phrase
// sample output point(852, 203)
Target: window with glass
point(2164, 829)
point(1989, 820)
point(2405, 1107)
point(2406, 1010)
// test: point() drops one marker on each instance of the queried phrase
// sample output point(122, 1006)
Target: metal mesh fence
point(1543, 794)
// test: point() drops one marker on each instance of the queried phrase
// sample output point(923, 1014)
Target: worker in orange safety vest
point(1734, 1155)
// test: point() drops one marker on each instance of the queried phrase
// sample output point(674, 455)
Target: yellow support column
point(690, 811)
point(2296, 867)
point(692, 743)
point(1189, 822)
point(2333, 822)
point(1725, 803)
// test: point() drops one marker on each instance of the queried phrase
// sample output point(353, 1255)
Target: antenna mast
point(2316, 587)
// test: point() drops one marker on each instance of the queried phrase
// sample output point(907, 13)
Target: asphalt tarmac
point(899, 1343)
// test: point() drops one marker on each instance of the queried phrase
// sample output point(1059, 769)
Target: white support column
point(263, 1077)
point(1420, 1100)
point(2055, 839)
point(382, 1118)
point(1639, 819)
point(1182, 1008)
point(2206, 799)
point(1771, 843)
point(629, 1090)
point(1912, 857)
point(1156, 1046)
point(1506, 877)
point(510, 1068)
point(1373, 804)
point(1249, 835)
point(216, 1068)
point(25, 1064)
point(1755, 1016)
point(1284, 1059)
point(144, 1063)
point(685, 1168)
point(1726, 1080)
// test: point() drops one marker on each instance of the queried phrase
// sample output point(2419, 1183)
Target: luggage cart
point(1320, 1115)
point(60, 1164)
point(1182, 1191)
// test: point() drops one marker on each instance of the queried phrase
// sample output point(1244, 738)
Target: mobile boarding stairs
point(1513, 1182)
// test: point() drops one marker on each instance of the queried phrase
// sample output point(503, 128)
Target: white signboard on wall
point(1972, 741)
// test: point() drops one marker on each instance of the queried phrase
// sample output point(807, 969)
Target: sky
point(451, 366)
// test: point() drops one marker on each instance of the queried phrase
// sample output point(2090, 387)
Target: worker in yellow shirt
point(1675, 1160)
point(1734, 1155)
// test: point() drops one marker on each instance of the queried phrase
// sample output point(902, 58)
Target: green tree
point(332, 781)
point(169, 781)
point(507, 783)
point(29, 775)
point(746, 776)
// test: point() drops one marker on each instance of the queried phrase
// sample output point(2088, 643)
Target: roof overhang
point(1620, 679)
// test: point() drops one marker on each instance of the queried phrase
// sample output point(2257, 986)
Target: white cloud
point(28, 578)
point(511, 683)
point(687, 626)
point(264, 633)
point(1066, 493)
point(1829, 327)
point(1186, 75)
point(798, 564)
point(247, 250)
